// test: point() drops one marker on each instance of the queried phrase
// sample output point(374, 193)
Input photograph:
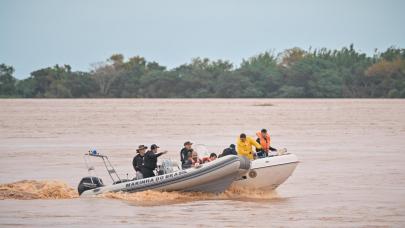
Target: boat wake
point(37, 189)
point(48, 189)
point(151, 198)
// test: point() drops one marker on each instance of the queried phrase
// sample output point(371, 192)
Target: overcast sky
point(41, 33)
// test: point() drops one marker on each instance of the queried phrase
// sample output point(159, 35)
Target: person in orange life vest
point(212, 157)
point(263, 138)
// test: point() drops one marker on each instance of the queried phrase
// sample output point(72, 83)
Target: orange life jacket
point(264, 142)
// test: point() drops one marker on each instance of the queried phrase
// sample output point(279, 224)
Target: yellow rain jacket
point(245, 148)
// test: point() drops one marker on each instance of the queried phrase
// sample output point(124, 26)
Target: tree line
point(293, 73)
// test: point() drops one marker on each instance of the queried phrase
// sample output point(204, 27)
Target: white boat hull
point(268, 173)
point(215, 177)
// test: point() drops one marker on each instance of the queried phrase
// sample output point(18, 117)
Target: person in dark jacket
point(229, 151)
point(150, 161)
point(184, 153)
point(187, 163)
point(137, 162)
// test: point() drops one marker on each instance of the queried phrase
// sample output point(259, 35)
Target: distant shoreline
point(294, 73)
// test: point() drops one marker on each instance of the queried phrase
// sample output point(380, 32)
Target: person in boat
point(137, 162)
point(211, 158)
point(184, 153)
point(192, 161)
point(263, 138)
point(187, 163)
point(244, 146)
point(150, 161)
point(229, 151)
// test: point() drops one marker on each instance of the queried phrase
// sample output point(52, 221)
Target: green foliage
point(263, 73)
point(7, 81)
point(288, 91)
point(26, 88)
point(293, 73)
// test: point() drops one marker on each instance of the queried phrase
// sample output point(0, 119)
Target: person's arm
point(138, 163)
point(153, 155)
point(182, 155)
point(255, 144)
point(272, 148)
point(159, 154)
point(134, 164)
point(258, 141)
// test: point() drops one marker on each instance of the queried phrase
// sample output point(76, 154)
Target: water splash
point(150, 198)
point(48, 189)
point(33, 189)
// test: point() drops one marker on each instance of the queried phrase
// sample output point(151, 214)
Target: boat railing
point(107, 164)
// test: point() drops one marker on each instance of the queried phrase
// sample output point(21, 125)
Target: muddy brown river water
point(351, 174)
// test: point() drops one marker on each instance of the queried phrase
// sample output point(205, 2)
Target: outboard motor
point(244, 163)
point(243, 167)
point(167, 166)
point(88, 183)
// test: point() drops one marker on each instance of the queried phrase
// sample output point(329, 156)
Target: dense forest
point(320, 73)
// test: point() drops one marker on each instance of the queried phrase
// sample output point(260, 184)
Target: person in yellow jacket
point(244, 146)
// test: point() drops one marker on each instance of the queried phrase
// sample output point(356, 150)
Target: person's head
point(141, 149)
point(187, 145)
point(232, 146)
point(194, 155)
point(242, 137)
point(154, 148)
point(213, 156)
point(264, 132)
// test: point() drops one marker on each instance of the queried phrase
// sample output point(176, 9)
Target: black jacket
point(184, 155)
point(137, 162)
point(228, 151)
point(150, 160)
point(187, 164)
